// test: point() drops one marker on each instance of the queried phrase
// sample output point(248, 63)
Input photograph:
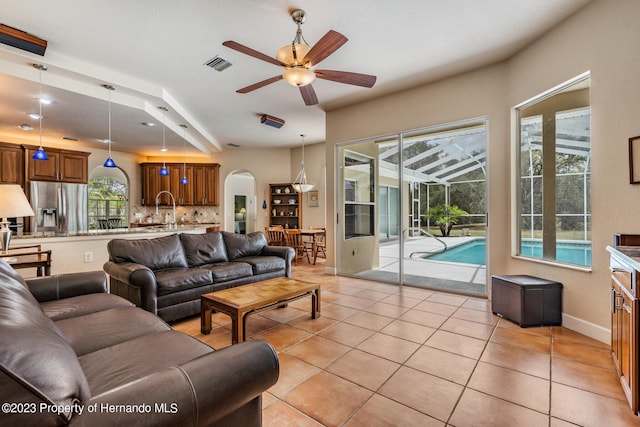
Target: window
point(555, 175)
point(107, 203)
point(358, 195)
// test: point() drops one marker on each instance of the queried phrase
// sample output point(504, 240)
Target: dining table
point(313, 233)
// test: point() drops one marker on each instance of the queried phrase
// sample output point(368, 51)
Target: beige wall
point(602, 38)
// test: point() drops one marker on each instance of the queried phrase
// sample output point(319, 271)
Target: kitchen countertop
point(156, 228)
point(629, 255)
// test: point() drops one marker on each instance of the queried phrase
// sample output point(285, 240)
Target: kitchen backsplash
point(184, 214)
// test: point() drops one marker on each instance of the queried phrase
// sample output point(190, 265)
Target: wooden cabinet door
point(182, 192)
point(11, 164)
point(73, 167)
point(212, 176)
point(43, 170)
point(150, 183)
point(626, 342)
point(205, 185)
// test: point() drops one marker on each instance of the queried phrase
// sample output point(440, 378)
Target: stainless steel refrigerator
point(59, 207)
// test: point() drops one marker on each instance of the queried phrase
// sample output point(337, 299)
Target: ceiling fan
point(299, 60)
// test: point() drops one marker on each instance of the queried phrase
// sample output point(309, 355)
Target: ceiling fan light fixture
point(298, 76)
point(292, 54)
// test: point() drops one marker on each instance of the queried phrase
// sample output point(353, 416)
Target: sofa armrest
point(51, 288)
point(284, 252)
point(140, 278)
point(199, 392)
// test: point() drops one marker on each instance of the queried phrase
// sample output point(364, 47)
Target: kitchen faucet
point(173, 201)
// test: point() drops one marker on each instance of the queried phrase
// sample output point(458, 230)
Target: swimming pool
point(475, 252)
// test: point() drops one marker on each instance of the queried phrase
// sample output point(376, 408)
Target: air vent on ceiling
point(69, 138)
point(219, 64)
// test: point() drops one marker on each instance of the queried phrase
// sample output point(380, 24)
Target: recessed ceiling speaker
point(25, 41)
point(271, 121)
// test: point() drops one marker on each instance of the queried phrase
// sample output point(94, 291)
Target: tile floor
point(384, 356)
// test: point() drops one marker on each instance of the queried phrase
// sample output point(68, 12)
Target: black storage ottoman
point(527, 300)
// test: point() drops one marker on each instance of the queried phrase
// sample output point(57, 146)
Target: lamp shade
point(286, 53)
point(13, 202)
point(298, 76)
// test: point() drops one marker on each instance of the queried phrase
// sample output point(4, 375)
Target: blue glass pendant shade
point(184, 180)
point(40, 155)
point(109, 163)
point(164, 171)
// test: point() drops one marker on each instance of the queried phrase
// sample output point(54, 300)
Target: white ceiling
point(153, 52)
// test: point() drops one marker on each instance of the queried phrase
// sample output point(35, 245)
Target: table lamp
point(13, 203)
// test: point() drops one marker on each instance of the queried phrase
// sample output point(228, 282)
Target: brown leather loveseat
point(167, 275)
point(72, 354)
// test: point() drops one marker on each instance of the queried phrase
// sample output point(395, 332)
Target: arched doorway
point(240, 202)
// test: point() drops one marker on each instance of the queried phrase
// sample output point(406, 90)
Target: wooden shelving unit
point(285, 206)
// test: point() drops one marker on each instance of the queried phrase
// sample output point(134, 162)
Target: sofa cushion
point(205, 248)
point(226, 271)
point(82, 304)
point(178, 279)
point(103, 329)
point(157, 254)
point(131, 360)
point(36, 362)
point(240, 245)
point(263, 264)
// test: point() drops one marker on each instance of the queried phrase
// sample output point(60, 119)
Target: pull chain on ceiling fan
point(298, 59)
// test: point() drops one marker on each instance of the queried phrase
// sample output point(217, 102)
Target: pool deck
point(463, 278)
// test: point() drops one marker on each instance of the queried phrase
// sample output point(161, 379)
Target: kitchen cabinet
point(62, 166)
point(201, 190)
point(11, 164)
point(285, 207)
point(624, 320)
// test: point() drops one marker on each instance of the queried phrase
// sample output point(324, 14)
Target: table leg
point(315, 304)
point(205, 318)
point(237, 327)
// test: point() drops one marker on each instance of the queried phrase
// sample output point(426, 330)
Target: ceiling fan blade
point(328, 44)
point(259, 84)
point(308, 95)
point(251, 52)
point(346, 77)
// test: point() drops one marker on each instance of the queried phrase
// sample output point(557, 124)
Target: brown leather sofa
point(72, 354)
point(167, 275)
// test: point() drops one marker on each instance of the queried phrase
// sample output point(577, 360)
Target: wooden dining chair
point(320, 243)
point(275, 235)
point(293, 238)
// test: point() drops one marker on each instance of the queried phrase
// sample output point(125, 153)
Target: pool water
point(475, 252)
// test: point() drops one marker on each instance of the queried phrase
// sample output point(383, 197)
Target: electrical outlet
point(88, 257)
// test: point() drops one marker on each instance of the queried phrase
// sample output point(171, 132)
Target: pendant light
point(184, 179)
point(300, 184)
point(40, 153)
point(109, 163)
point(163, 170)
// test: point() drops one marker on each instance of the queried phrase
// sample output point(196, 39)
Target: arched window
point(108, 201)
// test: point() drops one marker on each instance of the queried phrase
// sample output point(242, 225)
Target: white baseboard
point(332, 271)
point(586, 328)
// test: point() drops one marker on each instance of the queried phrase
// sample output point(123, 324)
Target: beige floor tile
point(402, 300)
point(589, 409)
point(589, 355)
point(426, 393)
point(479, 409)
point(522, 339)
point(363, 368)
point(513, 386)
point(587, 377)
point(456, 343)
point(328, 399)
point(283, 315)
point(371, 294)
point(519, 359)
point(382, 412)
point(432, 320)
point(434, 307)
point(293, 372)
point(282, 336)
point(468, 328)
point(392, 348)
point(338, 312)
point(281, 415)
point(306, 323)
point(371, 321)
point(477, 304)
point(443, 364)
point(476, 316)
point(450, 299)
point(568, 336)
point(389, 310)
point(346, 334)
point(353, 302)
point(318, 351)
point(408, 331)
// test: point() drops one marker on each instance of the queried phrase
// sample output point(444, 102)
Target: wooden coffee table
point(245, 300)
